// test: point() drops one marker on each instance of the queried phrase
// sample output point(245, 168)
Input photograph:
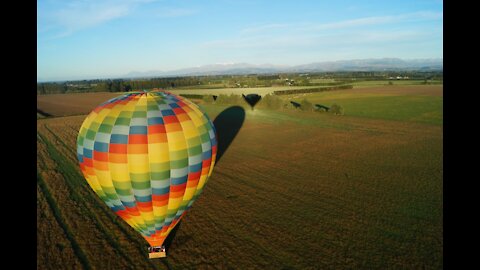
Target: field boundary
point(311, 90)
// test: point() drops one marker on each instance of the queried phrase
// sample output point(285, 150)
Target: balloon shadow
point(227, 124)
point(43, 113)
point(168, 241)
point(252, 99)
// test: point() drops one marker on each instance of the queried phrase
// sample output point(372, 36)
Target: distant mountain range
point(383, 64)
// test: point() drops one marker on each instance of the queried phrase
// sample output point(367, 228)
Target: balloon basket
point(156, 252)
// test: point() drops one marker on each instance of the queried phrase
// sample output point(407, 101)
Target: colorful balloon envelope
point(147, 155)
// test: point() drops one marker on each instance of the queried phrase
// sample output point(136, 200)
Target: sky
point(90, 39)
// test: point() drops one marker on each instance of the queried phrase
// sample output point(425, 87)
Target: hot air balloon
point(148, 155)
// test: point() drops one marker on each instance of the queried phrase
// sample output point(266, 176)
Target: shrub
point(271, 101)
point(229, 99)
point(305, 105)
point(193, 96)
point(207, 99)
point(336, 109)
point(312, 90)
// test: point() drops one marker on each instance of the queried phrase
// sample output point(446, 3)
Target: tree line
point(228, 81)
point(116, 85)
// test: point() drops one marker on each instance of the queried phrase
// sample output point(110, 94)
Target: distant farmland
point(405, 103)
point(72, 104)
point(295, 190)
point(238, 91)
point(83, 103)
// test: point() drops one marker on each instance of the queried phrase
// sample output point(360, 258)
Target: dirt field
point(72, 104)
point(294, 190)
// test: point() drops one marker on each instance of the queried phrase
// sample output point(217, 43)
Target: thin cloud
point(78, 15)
point(366, 21)
point(312, 40)
point(176, 12)
point(261, 42)
point(261, 28)
point(311, 35)
point(377, 20)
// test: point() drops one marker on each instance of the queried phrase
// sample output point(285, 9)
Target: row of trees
point(117, 85)
point(273, 102)
point(312, 90)
point(227, 81)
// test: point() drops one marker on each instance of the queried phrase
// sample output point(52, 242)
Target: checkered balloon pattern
point(147, 155)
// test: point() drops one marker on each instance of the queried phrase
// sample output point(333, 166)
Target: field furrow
point(84, 216)
point(52, 234)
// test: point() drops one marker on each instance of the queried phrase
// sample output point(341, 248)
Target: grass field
point(294, 190)
point(360, 84)
point(322, 80)
point(405, 103)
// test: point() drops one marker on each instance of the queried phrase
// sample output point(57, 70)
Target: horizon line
point(219, 73)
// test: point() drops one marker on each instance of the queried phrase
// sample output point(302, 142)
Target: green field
point(322, 81)
point(414, 103)
point(294, 190)
point(359, 84)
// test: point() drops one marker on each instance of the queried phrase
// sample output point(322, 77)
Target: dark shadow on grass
point(228, 124)
point(321, 107)
point(295, 104)
point(43, 113)
point(168, 241)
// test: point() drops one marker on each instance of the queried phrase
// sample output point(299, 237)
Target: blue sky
point(110, 38)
